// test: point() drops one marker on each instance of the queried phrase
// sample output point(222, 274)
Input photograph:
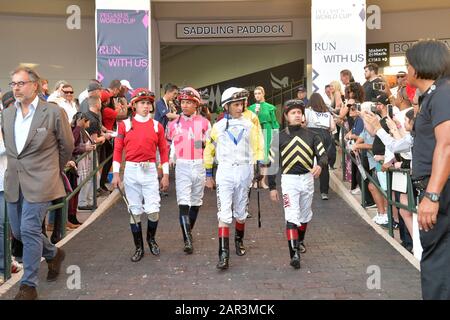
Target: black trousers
point(365, 162)
point(435, 263)
point(327, 141)
point(105, 151)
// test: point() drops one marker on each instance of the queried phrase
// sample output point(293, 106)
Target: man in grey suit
point(39, 143)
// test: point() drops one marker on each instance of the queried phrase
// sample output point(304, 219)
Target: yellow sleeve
point(257, 142)
point(255, 120)
point(210, 149)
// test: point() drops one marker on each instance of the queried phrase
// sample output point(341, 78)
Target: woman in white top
point(321, 121)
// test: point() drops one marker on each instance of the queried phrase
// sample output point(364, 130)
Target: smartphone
point(373, 108)
point(390, 111)
point(379, 86)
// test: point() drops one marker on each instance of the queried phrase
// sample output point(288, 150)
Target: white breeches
point(298, 191)
point(190, 178)
point(142, 187)
point(232, 186)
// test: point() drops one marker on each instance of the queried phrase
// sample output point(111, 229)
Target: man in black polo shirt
point(429, 71)
point(371, 75)
point(95, 124)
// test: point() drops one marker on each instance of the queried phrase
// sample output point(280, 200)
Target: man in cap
point(187, 135)
point(298, 147)
point(94, 89)
point(237, 145)
point(126, 85)
point(141, 136)
point(381, 155)
point(301, 95)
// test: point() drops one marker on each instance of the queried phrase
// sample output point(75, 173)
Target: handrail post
point(389, 201)
point(7, 246)
point(94, 179)
point(411, 200)
point(363, 192)
point(64, 212)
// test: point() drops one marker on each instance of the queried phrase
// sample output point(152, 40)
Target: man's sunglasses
point(68, 92)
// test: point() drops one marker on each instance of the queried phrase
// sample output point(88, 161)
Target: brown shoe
point(71, 226)
point(26, 293)
point(54, 265)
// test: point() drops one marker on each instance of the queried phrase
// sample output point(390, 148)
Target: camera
point(379, 86)
point(358, 106)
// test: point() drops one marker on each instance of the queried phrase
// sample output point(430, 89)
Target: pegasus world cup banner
point(122, 41)
point(338, 31)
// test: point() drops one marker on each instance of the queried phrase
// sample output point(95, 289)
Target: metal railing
point(387, 194)
point(64, 205)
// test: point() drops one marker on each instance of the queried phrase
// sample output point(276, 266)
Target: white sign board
point(234, 30)
point(338, 31)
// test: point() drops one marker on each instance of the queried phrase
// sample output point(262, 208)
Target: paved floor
point(342, 253)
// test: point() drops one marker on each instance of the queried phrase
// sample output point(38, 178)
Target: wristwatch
point(434, 197)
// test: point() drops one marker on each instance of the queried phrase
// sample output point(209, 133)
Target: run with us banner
point(338, 31)
point(122, 41)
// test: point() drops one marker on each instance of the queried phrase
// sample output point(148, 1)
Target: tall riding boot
point(151, 232)
point(239, 238)
point(301, 237)
point(224, 248)
point(293, 243)
point(193, 213)
point(186, 227)
point(136, 230)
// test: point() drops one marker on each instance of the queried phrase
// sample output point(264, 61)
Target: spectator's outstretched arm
point(394, 145)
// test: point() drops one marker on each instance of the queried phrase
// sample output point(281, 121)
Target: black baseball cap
point(382, 98)
point(8, 98)
point(94, 86)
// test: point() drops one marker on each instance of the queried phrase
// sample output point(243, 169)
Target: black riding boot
point(136, 230)
point(151, 232)
point(186, 228)
point(301, 237)
point(293, 243)
point(193, 213)
point(239, 238)
point(224, 248)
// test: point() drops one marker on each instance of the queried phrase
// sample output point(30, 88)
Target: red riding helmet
point(189, 93)
point(142, 94)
